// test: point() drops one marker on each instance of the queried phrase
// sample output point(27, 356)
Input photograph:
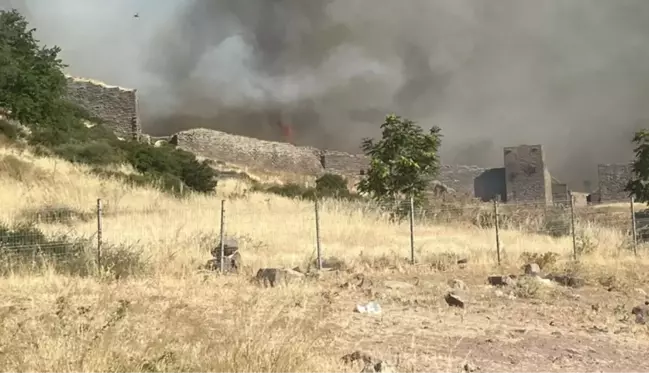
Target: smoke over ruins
point(571, 75)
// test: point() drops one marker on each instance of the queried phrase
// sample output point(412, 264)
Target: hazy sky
point(571, 75)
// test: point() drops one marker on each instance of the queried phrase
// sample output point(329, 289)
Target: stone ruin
point(524, 176)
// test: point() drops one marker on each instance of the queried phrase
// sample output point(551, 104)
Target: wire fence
point(309, 223)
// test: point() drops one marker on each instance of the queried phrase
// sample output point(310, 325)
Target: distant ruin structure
point(613, 179)
point(524, 177)
point(116, 106)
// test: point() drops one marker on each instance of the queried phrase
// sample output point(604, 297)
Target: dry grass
point(167, 316)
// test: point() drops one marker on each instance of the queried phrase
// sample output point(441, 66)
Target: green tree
point(638, 186)
point(402, 163)
point(30, 75)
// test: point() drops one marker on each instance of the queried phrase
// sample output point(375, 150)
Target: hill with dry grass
point(150, 308)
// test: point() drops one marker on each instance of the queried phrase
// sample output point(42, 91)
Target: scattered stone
point(532, 269)
point(453, 299)
point(463, 261)
point(370, 364)
point(641, 313)
point(232, 263)
point(396, 285)
point(275, 276)
point(457, 284)
point(358, 355)
point(566, 280)
point(230, 246)
point(501, 281)
point(379, 367)
point(470, 368)
point(357, 281)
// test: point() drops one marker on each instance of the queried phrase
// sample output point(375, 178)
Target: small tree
point(638, 186)
point(402, 163)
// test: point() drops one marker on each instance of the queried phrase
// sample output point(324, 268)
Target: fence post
point(412, 230)
point(572, 225)
point(222, 241)
point(100, 228)
point(317, 234)
point(497, 225)
point(634, 227)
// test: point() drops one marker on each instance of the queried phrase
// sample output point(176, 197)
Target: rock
point(532, 269)
point(501, 281)
point(356, 356)
point(395, 285)
point(470, 368)
point(641, 313)
point(463, 261)
point(457, 284)
point(370, 364)
point(453, 299)
point(232, 263)
point(230, 246)
point(379, 367)
point(357, 281)
point(275, 276)
point(566, 280)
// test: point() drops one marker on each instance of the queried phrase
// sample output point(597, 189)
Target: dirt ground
point(545, 329)
point(536, 328)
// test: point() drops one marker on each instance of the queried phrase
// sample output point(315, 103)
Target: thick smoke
point(571, 75)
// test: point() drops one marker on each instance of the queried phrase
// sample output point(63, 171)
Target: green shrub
point(94, 153)
point(10, 131)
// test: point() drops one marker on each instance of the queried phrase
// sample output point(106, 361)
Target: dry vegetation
point(151, 309)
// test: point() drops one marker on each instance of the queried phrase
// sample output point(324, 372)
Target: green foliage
point(638, 186)
point(32, 88)
point(31, 76)
point(327, 186)
point(402, 163)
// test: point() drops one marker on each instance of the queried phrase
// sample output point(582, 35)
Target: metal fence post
point(222, 241)
point(634, 228)
point(497, 225)
point(412, 230)
point(100, 228)
point(317, 234)
point(572, 225)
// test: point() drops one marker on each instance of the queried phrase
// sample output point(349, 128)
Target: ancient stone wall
point(559, 192)
point(460, 178)
point(116, 106)
point(253, 153)
point(344, 164)
point(612, 181)
point(526, 175)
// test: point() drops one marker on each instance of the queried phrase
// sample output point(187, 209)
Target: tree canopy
point(402, 163)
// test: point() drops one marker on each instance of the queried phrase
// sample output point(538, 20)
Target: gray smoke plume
point(571, 75)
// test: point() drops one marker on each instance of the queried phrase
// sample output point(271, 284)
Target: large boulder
point(230, 246)
point(232, 263)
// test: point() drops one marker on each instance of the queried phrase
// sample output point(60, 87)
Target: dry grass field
point(152, 309)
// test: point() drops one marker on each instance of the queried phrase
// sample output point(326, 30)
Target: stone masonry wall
point(117, 106)
point(245, 151)
point(526, 176)
point(612, 181)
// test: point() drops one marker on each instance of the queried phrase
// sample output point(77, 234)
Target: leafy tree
point(402, 163)
point(31, 76)
point(638, 186)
